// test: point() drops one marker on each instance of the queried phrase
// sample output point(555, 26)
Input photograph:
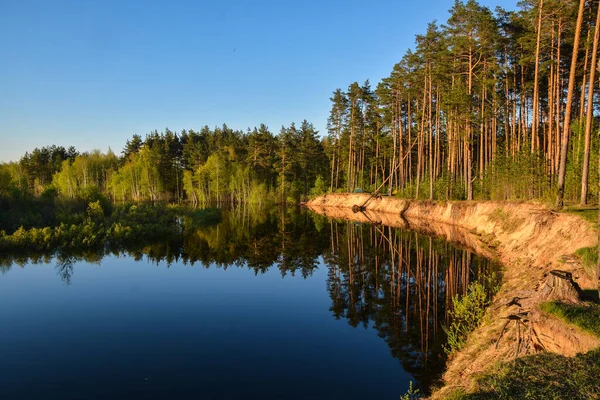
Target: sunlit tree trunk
point(589, 112)
point(567, 121)
point(536, 91)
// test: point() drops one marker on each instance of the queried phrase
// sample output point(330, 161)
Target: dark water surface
point(279, 304)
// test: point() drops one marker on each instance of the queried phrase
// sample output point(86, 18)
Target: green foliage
point(139, 179)
point(541, 376)
point(444, 188)
point(319, 188)
point(411, 393)
point(575, 165)
point(457, 109)
point(468, 311)
point(259, 194)
point(95, 211)
point(219, 165)
point(585, 317)
point(518, 177)
point(39, 166)
point(87, 170)
point(6, 183)
point(589, 256)
point(49, 193)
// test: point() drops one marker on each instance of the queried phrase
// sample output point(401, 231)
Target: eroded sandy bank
point(529, 240)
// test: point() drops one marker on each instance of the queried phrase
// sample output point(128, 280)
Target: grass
point(541, 376)
point(589, 256)
point(590, 214)
point(585, 317)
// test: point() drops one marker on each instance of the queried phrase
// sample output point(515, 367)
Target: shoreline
point(528, 239)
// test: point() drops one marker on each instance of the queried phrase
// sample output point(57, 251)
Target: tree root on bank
point(557, 286)
point(528, 341)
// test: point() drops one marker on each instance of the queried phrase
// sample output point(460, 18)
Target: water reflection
point(397, 282)
point(64, 267)
point(402, 284)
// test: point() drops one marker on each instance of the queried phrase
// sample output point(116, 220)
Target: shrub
point(468, 311)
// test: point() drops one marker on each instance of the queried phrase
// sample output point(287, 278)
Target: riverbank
point(529, 240)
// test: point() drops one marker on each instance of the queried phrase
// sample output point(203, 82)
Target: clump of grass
point(585, 317)
point(455, 394)
point(589, 256)
point(542, 376)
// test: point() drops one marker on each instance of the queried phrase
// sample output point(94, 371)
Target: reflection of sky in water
point(126, 328)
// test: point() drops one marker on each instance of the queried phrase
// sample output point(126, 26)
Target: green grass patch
point(589, 256)
point(586, 317)
point(541, 376)
point(590, 214)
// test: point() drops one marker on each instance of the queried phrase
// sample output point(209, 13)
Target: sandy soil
point(528, 239)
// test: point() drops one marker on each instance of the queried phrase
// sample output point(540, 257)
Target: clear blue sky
point(91, 73)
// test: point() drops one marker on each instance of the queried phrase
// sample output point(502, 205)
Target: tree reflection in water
point(64, 267)
point(398, 282)
point(401, 283)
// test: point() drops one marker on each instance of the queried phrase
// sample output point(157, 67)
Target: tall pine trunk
point(536, 91)
point(589, 111)
point(567, 122)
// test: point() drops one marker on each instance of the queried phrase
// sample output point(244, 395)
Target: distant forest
point(490, 105)
point(206, 166)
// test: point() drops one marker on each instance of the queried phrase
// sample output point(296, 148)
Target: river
point(267, 304)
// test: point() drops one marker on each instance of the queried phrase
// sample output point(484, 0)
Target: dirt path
point(528, 239)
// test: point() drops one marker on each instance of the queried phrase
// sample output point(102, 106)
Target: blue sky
point(91, 73)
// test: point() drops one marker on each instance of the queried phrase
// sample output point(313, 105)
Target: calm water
point(267, 305)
